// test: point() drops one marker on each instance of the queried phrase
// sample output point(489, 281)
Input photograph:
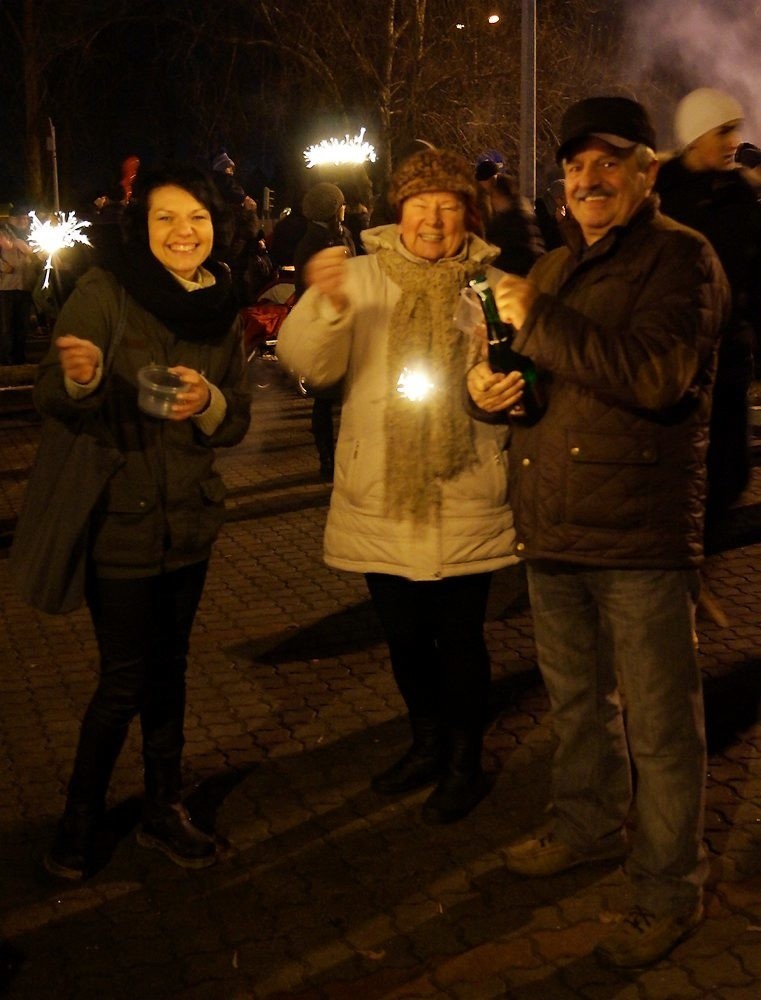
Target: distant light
point(344, 150)
point(460, 26)
point(493, 18)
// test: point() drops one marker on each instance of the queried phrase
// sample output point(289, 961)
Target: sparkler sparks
point(344, 150)
point(63, 229)
point(414, 385)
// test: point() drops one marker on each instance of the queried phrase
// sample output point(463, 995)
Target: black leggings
point(434, 631)
point(143, 631)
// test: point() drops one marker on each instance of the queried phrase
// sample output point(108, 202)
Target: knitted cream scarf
point(429, 441)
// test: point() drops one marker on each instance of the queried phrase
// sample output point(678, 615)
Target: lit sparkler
point(414, 385)
point(344, 150)
point(64, 229)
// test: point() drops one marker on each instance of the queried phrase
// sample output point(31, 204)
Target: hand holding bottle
point(493, 391)
point(503, 357)
point(514, 297)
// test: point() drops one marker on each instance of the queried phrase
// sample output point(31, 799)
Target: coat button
point(575, 451)
point(520, 547)
point(526, 461)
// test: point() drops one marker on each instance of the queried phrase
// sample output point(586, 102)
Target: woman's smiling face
point(180, 230)
point(432, 225)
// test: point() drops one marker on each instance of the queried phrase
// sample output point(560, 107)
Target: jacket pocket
point(126, 528)
point(194, 526)
point(213, 490)
point(359, 472)
point(610, 479)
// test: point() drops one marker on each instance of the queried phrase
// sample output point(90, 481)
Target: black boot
point(71, 853)
point(172, 831)
point(420, 766)
point(167, 825)
point(463, 783)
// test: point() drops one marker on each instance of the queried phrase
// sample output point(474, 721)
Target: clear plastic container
point(157, 390)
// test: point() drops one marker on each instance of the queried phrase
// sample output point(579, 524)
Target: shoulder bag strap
point(117, 334)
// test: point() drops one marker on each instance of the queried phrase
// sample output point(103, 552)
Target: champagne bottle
point(502, 356)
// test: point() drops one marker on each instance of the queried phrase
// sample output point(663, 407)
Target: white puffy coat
point(474, 533)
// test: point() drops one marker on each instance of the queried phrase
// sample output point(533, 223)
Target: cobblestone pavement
point(328, 892)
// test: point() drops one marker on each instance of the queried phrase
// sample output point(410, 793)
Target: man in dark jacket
point(608, 491)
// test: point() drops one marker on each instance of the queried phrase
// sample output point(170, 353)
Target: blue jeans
point(616, 653)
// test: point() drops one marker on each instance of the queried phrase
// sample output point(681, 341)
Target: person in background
point(105, 232)
point(608, 489)
point(550, 210)
point(286, 234)
point(704, 188)
point(240, 242)
point(19, 270)
point(152, 531)
point(223, 173)
point(509, 222)
point(324, 207)
point(419, 501)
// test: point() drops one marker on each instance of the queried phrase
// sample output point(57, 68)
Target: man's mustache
point(591, 192)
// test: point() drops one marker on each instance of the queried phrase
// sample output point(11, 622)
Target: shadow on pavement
point(732, 703)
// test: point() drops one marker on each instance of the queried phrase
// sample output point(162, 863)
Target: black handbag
point(74, 461)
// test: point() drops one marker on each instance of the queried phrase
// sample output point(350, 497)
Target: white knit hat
point(702, 110)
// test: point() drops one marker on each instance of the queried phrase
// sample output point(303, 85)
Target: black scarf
point(205, 314)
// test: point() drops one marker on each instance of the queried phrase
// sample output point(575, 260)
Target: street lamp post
point(528, 100)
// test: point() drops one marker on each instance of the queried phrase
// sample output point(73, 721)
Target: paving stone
point(328, 891)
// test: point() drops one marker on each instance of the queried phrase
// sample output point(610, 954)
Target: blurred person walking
point(324, 208)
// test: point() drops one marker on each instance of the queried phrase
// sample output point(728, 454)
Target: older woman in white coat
point(419, 500)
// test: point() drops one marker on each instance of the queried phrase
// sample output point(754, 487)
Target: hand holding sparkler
point(79, 358)
point(326, 271)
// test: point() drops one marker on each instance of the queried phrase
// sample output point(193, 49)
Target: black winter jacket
point(163, 508)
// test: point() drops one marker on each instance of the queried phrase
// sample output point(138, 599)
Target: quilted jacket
point(625, 333)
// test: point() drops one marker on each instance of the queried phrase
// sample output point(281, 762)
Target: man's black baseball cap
point(616, 120)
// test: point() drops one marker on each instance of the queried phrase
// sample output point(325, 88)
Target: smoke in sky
point(677, 45)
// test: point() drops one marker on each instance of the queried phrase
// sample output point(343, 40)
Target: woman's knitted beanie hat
point(701, 111)
point(432, 170)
